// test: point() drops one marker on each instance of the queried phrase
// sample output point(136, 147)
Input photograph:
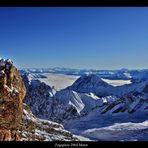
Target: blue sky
point(75, 37)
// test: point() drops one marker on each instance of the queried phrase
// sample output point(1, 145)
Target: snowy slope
point(83, 103)
point(111, 127)
point(120, 132)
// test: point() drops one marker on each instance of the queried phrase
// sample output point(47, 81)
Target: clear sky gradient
point(75, 37)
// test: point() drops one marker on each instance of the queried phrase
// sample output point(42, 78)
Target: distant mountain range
point(123, 74)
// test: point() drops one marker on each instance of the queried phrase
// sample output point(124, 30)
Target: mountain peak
point(90, 83)
point(92, 78)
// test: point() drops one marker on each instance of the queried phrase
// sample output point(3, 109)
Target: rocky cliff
point(12, 92)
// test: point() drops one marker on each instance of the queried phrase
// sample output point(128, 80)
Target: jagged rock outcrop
point(12, 92)
point(35, 129)
point(39, 97)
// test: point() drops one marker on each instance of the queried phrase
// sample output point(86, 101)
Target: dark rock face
point(12, 92)
point(39, 98)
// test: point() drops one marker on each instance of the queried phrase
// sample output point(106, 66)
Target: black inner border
point(74, 3)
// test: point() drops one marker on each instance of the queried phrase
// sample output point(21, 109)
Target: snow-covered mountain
point(86, 94)
point(89, 100)
point(91, 83)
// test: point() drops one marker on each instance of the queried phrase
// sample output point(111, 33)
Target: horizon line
point(85, 68)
